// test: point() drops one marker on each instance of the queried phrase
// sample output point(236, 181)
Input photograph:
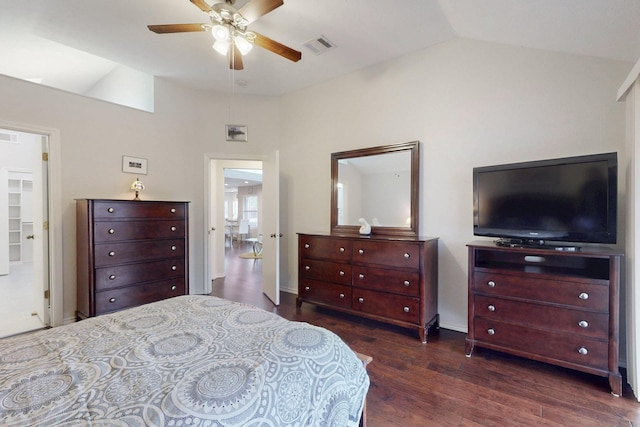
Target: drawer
point(325, 248)
point(323, 292)
point(564, 347)
point(118, 299)
point(397, 307)
point(105, 209)
point(391, 254)
point(128, 252)
point(396, 281)
point(111, 231)
point(541, 316)
point(326, 270)
point(123, 275)
point(582, 295)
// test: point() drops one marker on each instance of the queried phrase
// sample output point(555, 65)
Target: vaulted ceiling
point(36, 36)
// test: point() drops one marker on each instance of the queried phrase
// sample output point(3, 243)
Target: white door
point(40, 235)
point(271, 228)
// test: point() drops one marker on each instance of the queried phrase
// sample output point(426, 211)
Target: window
point(251, 210)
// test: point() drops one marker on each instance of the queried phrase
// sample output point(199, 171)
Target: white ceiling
point(365, 32)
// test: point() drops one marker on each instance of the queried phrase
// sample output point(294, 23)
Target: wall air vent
point(8, 137)
point(319, 45)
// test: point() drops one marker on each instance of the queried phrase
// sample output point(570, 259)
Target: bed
point(186, 361)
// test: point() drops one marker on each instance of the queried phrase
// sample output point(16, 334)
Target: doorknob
point(30, 236)
point(275, 235)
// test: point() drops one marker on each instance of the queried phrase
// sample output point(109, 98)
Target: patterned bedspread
point(187, 361)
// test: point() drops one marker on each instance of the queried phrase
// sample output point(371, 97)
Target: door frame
point(56, 282)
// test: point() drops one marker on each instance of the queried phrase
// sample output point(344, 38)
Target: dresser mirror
point(379, 184)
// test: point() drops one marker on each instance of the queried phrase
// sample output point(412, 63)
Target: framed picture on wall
point(236, 133)
point(135, 165)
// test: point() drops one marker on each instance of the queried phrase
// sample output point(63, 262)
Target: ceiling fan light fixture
point(221, 46)
point(243, 45)
point(220, 33)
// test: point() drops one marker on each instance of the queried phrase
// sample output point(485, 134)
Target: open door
point(271, 228)
point(40, 231)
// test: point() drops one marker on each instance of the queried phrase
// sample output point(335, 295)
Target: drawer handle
point(407, 283)
point(341, 296)
point(112, 277)
point(360, 276)
point(110, 210)
point(583, 351)
point(491, 284)
point(406, 309)
point(174, 268)
point(583, 324)
point(584, 296)
point(173, 228)
point(407, 256)
point(360, 299)
point(491, 331)
point(173, 210)
point(112, 253)
point(306, 267)
point(112, 300)
point(342, 273)
point(306, 246)
point(491, 307)
point(307, 288)
point(341, 249)
point(111, 231)
point(174, 287)
point(173, 247)
point(361, 251)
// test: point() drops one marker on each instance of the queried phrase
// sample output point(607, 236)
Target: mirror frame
point(411, 231)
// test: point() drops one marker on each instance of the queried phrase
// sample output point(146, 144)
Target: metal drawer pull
point(361, 251)
point(491, 307)
point(407, 256)
point(583, 351)
point(360, 299)
point(341, 296)
point(173, 247)
point(306, 246)
point(110, 210)
point(583, 324)
point(406, 309)
point(306, 267)
point(361, 276)
point(174, 268)
point(342, 273)
point(584, 296)
point(491, 284)
point(173, 228)
point(174, 287)
point(307, 288)
point(112, 253)
point(491, 331)
point(173, 210)
point(111, 231)
point(341, 249)
point(407, 283)
point(112, 277)
point(112, 299)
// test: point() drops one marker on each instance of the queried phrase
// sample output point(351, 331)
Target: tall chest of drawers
point(129, 253)
point(553, 306)
point(387, 279)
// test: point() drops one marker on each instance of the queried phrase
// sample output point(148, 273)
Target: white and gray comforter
point(187, 361)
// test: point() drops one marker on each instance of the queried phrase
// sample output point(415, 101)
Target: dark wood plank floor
point(414, 384)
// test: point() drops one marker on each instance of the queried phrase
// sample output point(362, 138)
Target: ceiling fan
point(229, 29)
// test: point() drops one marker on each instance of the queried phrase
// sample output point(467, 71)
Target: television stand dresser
point(554, 306)
point(130, 253)
point(389, 279)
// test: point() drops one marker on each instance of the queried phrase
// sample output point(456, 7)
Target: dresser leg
point(468, 348)
point(615, 382)
point(298, 303)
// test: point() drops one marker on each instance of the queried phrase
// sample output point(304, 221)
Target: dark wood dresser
point(394, 280)
point(559, 307)
point(129, 253)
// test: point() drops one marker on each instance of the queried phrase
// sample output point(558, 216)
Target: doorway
point(24, 201)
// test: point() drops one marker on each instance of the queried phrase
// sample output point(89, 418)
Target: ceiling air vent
point(319, 45)
point(8, 137)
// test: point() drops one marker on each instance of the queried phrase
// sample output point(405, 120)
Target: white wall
point(94, 135)
point(470, 104)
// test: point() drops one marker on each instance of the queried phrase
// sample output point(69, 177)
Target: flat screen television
point(571, 199)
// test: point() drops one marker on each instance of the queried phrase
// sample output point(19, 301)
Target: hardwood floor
point(414, 384)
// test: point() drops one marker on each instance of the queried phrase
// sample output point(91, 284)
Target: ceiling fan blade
point(278, 48)
point(202, 5)
point(235, 59)
point(254, 9)
point(175, 28)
